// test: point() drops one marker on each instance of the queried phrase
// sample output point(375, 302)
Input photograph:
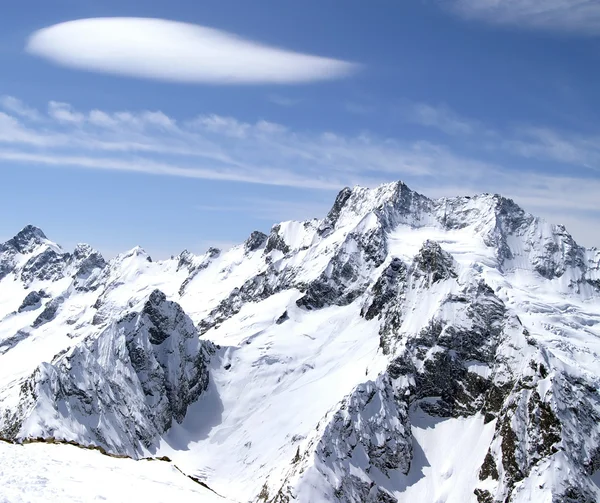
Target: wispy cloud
point(579, 17)
point(177, 52)
point(207, 146)
point(63, 112)
point(273, 210)
point(17, 107)
point(526, 141)
point(216, 147)
point(149, 167)
point(548, 144)
point(282, 101)
point(439, 117)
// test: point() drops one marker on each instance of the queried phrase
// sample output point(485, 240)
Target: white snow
point(281, 381)
point(447, 456)
point(40, 473)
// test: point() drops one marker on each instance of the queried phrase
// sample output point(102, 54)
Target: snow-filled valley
point(400, 349)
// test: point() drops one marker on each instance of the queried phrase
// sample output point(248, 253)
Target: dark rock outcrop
point(32, 301)
point(434, 263)
point(330, 220)
point(256, 240)
point(276, 242)
point(49, 312)
point(120, 389)
point(26, 240)
point(346, 276)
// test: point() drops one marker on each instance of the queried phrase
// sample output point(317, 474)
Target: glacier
point(399, 349)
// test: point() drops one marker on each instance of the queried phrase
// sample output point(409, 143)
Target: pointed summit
point(27, 239)
point(255, 241)
point(136, 251)
point(393, 203)
point(32, 231)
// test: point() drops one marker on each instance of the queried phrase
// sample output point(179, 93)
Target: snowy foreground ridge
point(401, 349)
point(43, 473)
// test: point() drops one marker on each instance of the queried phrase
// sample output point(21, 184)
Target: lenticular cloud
point(177, 52)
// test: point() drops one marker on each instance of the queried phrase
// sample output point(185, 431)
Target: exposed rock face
point(45, 261)
point(346, 276)
point(385, 301)
point(26, 240)
point(32, 301)
point(121, 389)
point(467, 359)
point(49, 312)
point(255, 289)
point(185, 260)
point(11, 341)
point(255, 241)
point(386, 289)
point(48, 265)
point(88, 264)
point(276, 241)
point(465, 334)
point(194, 266)
point(213, 252)
point(535, 433)
point(368, 436)
point(434, 263)
point(550, 250)
point(392, 203)
point(332, 217)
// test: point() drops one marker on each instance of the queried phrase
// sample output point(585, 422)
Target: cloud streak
point(528, 142)
point(579, 17)
point(441, 118)
point(177, 52)
point(206, 147)
point(17, 107)
point(215, 147)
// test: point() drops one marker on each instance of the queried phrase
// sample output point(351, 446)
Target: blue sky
point(119, 127)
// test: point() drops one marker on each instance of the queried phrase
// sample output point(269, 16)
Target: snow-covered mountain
point(400, 349)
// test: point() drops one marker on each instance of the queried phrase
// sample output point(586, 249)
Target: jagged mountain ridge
point(120, 389)
point(465, 310)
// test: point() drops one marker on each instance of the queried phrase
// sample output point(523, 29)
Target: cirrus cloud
point(580, 17)
point(177, 52)
point(216, 147)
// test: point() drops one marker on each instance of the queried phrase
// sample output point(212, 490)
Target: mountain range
point(399, 349)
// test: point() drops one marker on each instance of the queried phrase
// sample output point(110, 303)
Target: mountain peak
point(27, 239)
point(136, 251)
point(213, 252)
point(32, 230)
point(156, 298)
point(392, 202)
point(255, 241)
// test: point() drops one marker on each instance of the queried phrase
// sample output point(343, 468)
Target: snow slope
point(399, 349)
point(39, 473)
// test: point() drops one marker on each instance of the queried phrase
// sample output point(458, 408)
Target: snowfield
point(39, 473)
point(400, 349)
